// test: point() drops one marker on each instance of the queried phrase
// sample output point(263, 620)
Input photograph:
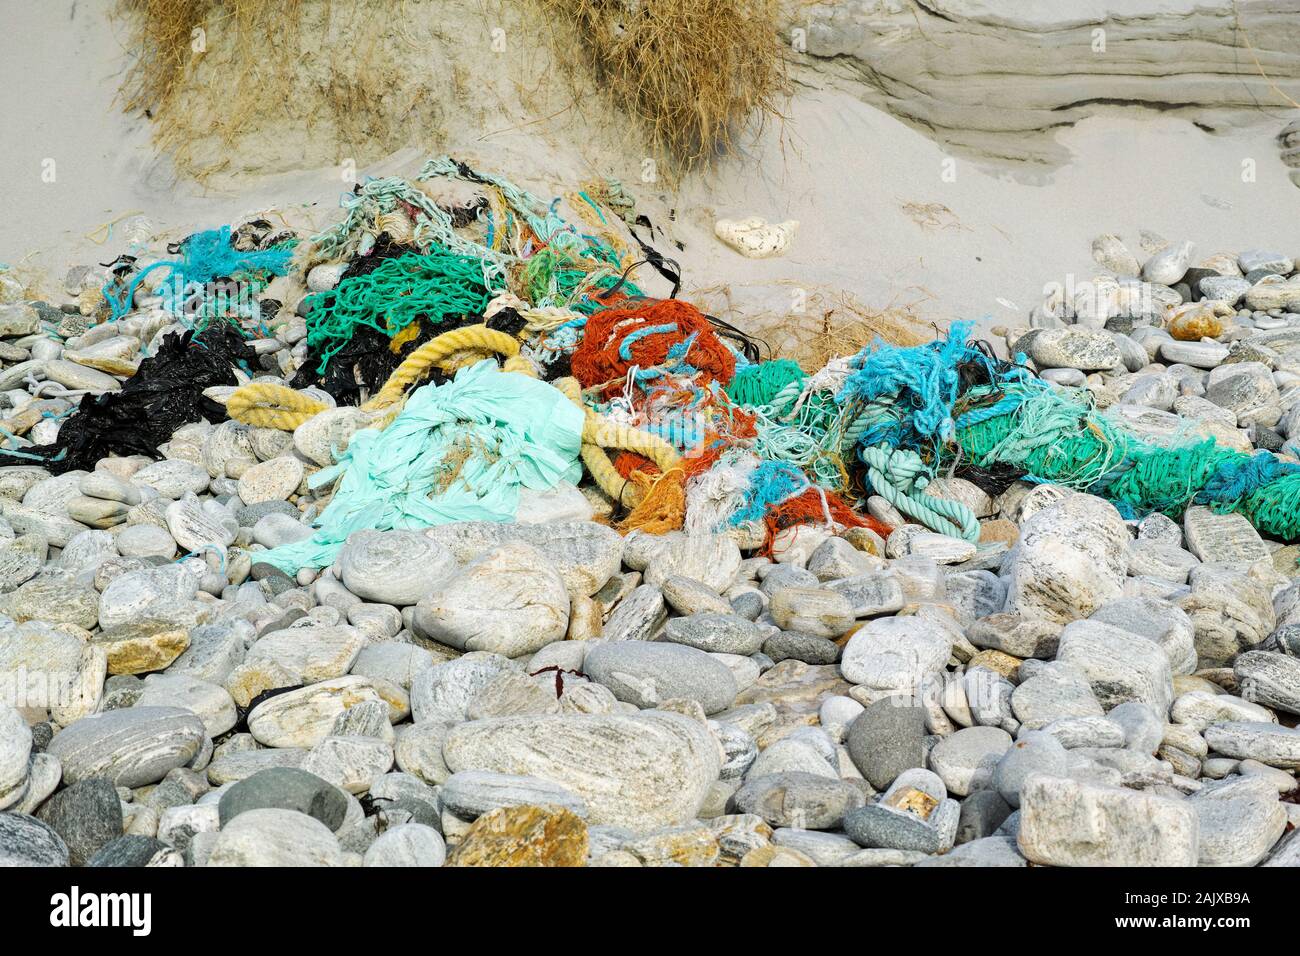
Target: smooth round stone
point(723, 633)
point(509, 601)
point(646, 674)
point(316, 653)
point(86, 815)
point(1162, 622)
point(886, 739)
point(1110, 253)
point(1074, 732)
point(872, 594)
point(276, 529)
point(15, 751)
point(965, 760)
point(896, 654)
point(394, 662)
point(75, 376)
point(1270, 679)
point(1144, 729)
point(641, 771)
point(1263, 260)
point(1157, 559)
point(197, 526)
point(144, 541)
point(273, 480)
point(1075, 347)
point(1227, 289)
point(210, 702)
point(135, 850)
point(1070, 377)
point(226, 442)
point(1118, 668)
point(321, 436)
point(688, 596)
point(231, 767)
point(1169, 265)
point(825, 849)
point(941, 548)
point(804, 800)
point(1036, 753)
point(1239, 822)
point(127, 597)
point(22, 560)
point(173, 478)
point(1199, 709)
point(275, 837)
point(1065, 822)
point(813, 611)
point(884, 827)
point(54, 597)
point(27, 841)
point(410, 844)
point(394, 567)
point(1051, 693)
point(713, 560)
point(55, 527)
point(249, 515)
point(837, 713)
point(444, 692)
point(1195, 354)
point(53, 494)
point(110, 487)
point(305, 717)
point(837, 558)
point(585, 555)
point(285, 788)
point(350, 762)
point(88, 550)
point(1270, 744)
point(131, 747)
point(778, 577)
point(270, 443)
point(795, 645)
point(748, 604)
point(472, 793)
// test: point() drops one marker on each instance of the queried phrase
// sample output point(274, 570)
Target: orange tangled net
point(811, 507)
point(644, 334)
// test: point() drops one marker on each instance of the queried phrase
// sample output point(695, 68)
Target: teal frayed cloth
point(457, 452)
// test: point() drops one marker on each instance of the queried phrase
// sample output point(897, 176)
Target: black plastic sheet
point(165, 393)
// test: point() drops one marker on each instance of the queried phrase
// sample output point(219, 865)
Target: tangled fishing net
point(496, 345)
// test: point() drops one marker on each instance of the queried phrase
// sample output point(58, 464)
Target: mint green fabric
point(457, 452)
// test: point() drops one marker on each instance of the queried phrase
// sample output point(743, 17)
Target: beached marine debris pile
point(433, 538)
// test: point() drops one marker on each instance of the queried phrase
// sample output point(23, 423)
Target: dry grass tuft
point(830, 322)
point(692, 73)
point(228, 80)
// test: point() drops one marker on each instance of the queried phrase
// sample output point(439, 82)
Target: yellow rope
point(475, 338)
point(265, 405)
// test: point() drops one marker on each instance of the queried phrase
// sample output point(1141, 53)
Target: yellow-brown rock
point(773, 855)
point(864, 539)
point(135, 649)
point(524, 836)
point(585, 618)
point(999, 530)
point(996, 661)
point(738, 834)
point(1195, 322)
point(685, 846)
